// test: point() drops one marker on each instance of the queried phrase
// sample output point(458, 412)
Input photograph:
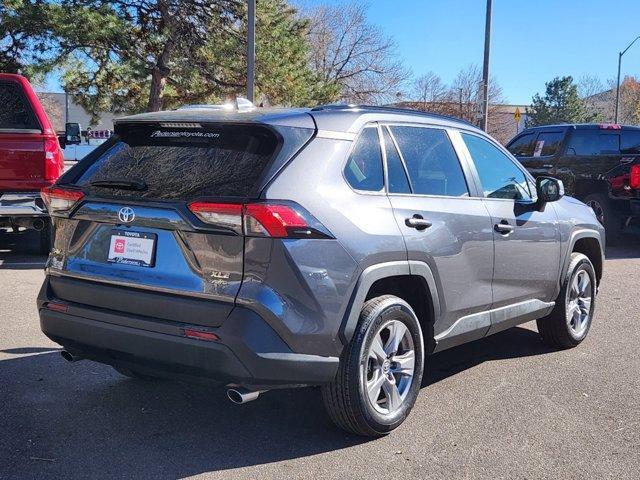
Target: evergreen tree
point(560, 104)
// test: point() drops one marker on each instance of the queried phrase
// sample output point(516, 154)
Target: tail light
point(276, 220)
point(53, 159)
point(60, 199)
point(634, 177)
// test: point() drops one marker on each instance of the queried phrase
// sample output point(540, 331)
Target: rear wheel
point(606, 215)
point(569, 322)
point(380, 372)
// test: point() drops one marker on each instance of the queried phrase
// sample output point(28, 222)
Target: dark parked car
point(336, 246)
point(30, 158)
point(598, 164)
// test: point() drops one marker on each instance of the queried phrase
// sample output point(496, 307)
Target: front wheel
point(570, 320)
point(380, 371)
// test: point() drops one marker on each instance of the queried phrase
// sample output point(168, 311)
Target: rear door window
point(609, 143)
point(181, 163)
point(523, 145)
point(630, 142)
point(432, 163)
point(548, 143)
point(583, 143)
point(15, 111)
point(398, 182)
point(364, 167)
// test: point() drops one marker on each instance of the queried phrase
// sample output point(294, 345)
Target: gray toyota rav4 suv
point(337, 246)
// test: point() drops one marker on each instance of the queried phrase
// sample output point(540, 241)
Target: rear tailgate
point(132, 229)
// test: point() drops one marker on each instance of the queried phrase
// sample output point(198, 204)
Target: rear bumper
point(22, 204)
point(248, 352)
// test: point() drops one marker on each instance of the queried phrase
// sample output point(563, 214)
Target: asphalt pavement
point(502, 407)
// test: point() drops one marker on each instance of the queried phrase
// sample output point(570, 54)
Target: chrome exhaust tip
point(70, 357)
point(242, 395)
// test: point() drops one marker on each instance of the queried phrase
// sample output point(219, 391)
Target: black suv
point(599, 164)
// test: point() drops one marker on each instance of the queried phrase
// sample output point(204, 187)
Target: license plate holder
point(129, 247)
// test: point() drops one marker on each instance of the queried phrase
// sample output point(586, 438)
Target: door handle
point(418, 222)
point(504, 228)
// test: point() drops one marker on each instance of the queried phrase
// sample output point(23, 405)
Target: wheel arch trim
point(377, 272)
point(573, 239)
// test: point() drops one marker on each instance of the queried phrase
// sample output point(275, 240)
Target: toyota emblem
point(126, 215)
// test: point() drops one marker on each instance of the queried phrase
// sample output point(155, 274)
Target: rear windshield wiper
point(123, 183)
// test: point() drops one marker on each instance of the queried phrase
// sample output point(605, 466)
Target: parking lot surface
point(502, 407)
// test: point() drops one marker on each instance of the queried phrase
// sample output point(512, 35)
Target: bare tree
point(596, 97)
point(428, 89)
point(350, 52)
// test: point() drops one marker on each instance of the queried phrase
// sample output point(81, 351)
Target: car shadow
point(84, 417)
point(19, 251)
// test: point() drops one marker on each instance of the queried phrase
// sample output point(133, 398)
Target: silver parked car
point(337, 246)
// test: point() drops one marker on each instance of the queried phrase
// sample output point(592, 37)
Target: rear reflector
point(59, 199)
point(634, 177)
point(268, 219)
point(57, 307)
point(200, 335)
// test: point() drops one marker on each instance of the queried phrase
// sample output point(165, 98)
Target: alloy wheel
point(389, 367)
point(579, 304)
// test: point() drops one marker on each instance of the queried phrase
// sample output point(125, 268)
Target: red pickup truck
point(30, 158)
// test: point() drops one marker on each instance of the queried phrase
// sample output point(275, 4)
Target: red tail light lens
point(53, 159)
point(634, 177)
point(265, 219)
point(277, 220)
point(59, 199)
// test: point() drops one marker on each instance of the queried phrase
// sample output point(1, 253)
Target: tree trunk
point(156, 94)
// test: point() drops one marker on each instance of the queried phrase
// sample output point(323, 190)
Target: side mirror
point(571, 151)
point(549, 189)
point(72, 133)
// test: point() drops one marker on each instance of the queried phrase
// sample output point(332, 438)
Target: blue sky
point(532, 42)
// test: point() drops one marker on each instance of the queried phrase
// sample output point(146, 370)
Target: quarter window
point(432, 164)
point(364, 168)
point(499, 175)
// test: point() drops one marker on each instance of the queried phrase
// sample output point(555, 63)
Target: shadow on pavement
point(61, 418)
point(19, 251)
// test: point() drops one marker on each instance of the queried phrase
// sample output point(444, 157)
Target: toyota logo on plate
point(126, 214)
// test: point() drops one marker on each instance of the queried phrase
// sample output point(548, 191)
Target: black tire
point(555, 329)
point(46, 237)
point(132, 373)
point(345, 399)
point(606, 215)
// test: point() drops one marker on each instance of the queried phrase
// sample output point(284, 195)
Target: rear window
point(181, 163)
point(15, 113)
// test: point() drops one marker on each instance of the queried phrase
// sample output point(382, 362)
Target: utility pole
point(618, 84)
point(485, 69)
point(251, 49)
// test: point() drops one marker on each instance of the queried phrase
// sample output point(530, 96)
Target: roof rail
point(389, 109)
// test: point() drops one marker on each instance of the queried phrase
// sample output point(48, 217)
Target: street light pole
point(485, 69)
point(618, 83)
point(251, 49)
